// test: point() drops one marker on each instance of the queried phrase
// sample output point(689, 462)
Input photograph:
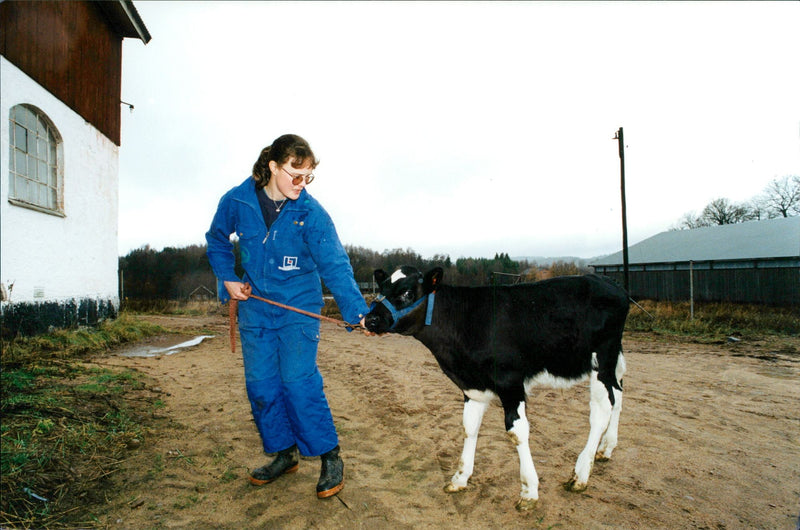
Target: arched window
point(35, 162)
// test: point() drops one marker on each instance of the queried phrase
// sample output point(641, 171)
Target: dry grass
point(713, 321)
point(172, 307)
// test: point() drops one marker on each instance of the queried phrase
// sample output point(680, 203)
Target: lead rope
point(233, 305)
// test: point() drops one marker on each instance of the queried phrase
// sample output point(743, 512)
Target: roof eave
point(125, 19)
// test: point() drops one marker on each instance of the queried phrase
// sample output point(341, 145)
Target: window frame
point(45, 137)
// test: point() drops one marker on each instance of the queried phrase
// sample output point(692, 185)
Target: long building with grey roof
point(755, 262)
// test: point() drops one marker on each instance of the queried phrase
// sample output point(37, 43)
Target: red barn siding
point(70, 49)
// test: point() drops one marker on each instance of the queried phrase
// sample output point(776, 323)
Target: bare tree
point(781, 197)
point(796, 182)
point(691, 220)
point(759, 208)
point(723, 212)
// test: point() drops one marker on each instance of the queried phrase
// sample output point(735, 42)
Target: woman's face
point(287, 181)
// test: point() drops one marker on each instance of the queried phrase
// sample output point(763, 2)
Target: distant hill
point(545, 261)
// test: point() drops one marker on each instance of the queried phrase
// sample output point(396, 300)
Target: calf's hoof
point(574, 485)
point(599, 457)
point(525, 505)
point(453, 488)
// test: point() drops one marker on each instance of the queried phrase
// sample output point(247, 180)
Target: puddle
point(153, 351)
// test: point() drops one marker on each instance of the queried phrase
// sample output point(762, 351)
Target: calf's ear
point(380, 276)
point(432, 279)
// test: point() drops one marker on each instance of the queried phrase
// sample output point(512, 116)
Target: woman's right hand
point(238, 290)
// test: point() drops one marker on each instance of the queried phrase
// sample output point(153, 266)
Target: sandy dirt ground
point(709, 438)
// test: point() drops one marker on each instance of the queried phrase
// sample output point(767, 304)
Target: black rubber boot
point(331, 478)
point(285, 462)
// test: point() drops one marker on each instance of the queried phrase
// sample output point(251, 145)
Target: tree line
point(185, 273)
point(781, 198)
point(168, 274)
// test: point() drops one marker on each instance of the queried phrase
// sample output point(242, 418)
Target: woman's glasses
point(299, 178)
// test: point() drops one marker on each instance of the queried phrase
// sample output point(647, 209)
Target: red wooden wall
point(71, 50)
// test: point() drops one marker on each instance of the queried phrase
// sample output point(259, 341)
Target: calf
point(499, 342)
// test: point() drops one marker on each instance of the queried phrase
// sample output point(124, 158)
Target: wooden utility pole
point(619, 138)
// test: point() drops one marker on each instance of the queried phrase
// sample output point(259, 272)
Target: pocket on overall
point(260, 354)
point(299, 343)
point(251, 247)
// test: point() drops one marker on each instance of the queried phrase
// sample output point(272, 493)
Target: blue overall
point(279, 347)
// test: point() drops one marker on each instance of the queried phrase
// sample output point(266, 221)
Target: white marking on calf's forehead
point(398, 275)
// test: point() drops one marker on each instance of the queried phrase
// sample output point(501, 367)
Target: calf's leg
point(518, 430)
point(473, 416)
point(609, 440)
point(599, 418)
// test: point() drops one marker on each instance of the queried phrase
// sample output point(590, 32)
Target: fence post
point(691, 290)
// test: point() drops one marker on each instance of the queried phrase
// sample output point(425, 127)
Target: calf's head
point(401, 308)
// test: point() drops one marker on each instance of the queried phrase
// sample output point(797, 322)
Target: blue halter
point(398, 314)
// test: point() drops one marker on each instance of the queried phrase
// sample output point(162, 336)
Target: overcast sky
point(461, 128)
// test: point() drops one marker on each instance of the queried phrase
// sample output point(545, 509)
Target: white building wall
point(47, 258)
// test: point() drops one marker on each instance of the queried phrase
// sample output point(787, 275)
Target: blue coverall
point(279, 346)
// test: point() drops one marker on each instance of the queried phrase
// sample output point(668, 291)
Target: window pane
point(53, 177)
point(33, 193)
point(21, 138)
point(30, 120)
point(41, 150)
point(42, 172)
point(41, 127)
point(21, 189)
point(53, 199)
point(52, 159)
point(20, 116)
point(23, 116)
point(31, 168)
point(22, 162)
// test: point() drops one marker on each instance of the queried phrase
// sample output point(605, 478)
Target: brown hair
point(282, 149)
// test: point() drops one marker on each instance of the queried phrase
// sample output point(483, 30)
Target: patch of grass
point(187, 501)
point(174, 307)
point(179, 456)
point(72, 343)
point(229, 475)
point(61, 442)
point(66, 425)
point(220, 454)
point(157, 468)
point(712, 322)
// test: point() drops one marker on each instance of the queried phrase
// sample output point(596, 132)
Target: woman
point(287, 242)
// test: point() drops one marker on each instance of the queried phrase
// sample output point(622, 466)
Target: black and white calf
point(499, 342)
